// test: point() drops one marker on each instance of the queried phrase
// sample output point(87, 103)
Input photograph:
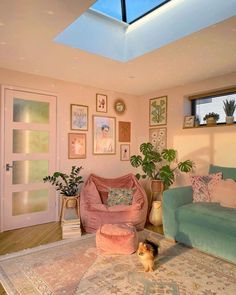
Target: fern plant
point(67, 185)
point(157, 165)
point(229, 107)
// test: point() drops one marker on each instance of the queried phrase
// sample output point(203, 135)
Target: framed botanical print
point(104, 135)
point(101, 103)
point(158, 138)
point(76, 145)
point(124, 131)
point(124, 152)
point(79, 117)
point(158, 111)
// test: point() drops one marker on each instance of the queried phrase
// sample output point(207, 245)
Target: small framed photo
point(79, 117)
point(76, 145)
point(124, 152)
point(101, 103)
point(124, 131)
point(104, 135)
point(158, 138)
point(189, 121)
point(158, 111)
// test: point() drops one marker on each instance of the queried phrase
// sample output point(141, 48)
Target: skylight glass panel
point(137, 8)
point(109, 7)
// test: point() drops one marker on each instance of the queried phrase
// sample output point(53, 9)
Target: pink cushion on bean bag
point(117, 239)
point(224, 192)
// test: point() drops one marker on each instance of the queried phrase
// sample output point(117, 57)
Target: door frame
point(3, 88)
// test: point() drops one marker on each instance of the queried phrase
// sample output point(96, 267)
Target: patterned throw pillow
point(203, 185)
point(119, 196)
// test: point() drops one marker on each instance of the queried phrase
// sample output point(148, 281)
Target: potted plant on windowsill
point(211, 118)
point(229, 108)
point(67, 184)
point(159, 166)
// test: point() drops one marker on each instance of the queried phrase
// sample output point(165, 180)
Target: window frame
point(205, 95)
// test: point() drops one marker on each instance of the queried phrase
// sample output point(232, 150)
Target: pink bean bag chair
point(95, 212)
point(116, 239)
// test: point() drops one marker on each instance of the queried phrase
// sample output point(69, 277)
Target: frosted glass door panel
point(29, 111)
point(29, 202)
point(29, 141)
point(29, 171)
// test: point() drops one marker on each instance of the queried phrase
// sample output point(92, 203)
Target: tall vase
point(155, 216)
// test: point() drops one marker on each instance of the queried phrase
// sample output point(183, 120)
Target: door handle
point(8, 167)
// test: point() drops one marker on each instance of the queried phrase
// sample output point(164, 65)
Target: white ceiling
point(27, 28)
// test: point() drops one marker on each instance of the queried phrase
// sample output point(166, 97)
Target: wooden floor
point(29, 237)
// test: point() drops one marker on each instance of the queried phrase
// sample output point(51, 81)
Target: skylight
point(128, 11)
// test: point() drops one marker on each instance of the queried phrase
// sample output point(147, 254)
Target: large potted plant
point(159, 166)
point(67, 184)
point(229, 108)
point(211, 118)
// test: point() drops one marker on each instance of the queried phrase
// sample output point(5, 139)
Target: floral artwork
point(101, 103)
point(157, 136)
point(104, 135)
point(76, 145)
point(158, 111)
point(79, 117)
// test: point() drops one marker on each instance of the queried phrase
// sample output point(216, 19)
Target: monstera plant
point(159, 166)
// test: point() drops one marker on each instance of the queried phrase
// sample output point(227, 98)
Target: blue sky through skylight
point(109, 7)
point(134, 8)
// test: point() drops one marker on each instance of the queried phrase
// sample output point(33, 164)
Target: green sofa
point(206, 226)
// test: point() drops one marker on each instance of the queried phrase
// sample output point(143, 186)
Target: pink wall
point(69, 93)
point(215, 145)
point(203, 145)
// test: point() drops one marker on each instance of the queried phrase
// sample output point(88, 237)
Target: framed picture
point(158, 138)
point(101, 103)
point(189, 121)
point(158, 111)
point(124, 152)
point(124, 131)
point(79, 117)
point(76, 146)
point(104, 135)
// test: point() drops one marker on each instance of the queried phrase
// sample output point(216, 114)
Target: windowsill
point(217, 125)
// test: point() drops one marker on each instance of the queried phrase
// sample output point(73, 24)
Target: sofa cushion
point(208, 215)
point(228, 172)
point(224, 192)
point(202, 186)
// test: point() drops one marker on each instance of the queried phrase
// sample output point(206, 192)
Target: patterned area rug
point(74, 267)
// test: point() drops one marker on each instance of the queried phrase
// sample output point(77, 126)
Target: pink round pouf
point(117, 239)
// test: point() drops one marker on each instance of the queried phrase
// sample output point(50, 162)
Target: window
point(128, 11)
point(211, 102)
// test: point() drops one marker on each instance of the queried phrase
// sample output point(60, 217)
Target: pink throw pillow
point(202, 186)
point(224, 192)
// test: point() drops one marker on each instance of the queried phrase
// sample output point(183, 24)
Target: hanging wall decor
point(158, 111)
point(158, 136)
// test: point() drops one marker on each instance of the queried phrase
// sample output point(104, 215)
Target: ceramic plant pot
point(211, 121)
point(229, 119)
